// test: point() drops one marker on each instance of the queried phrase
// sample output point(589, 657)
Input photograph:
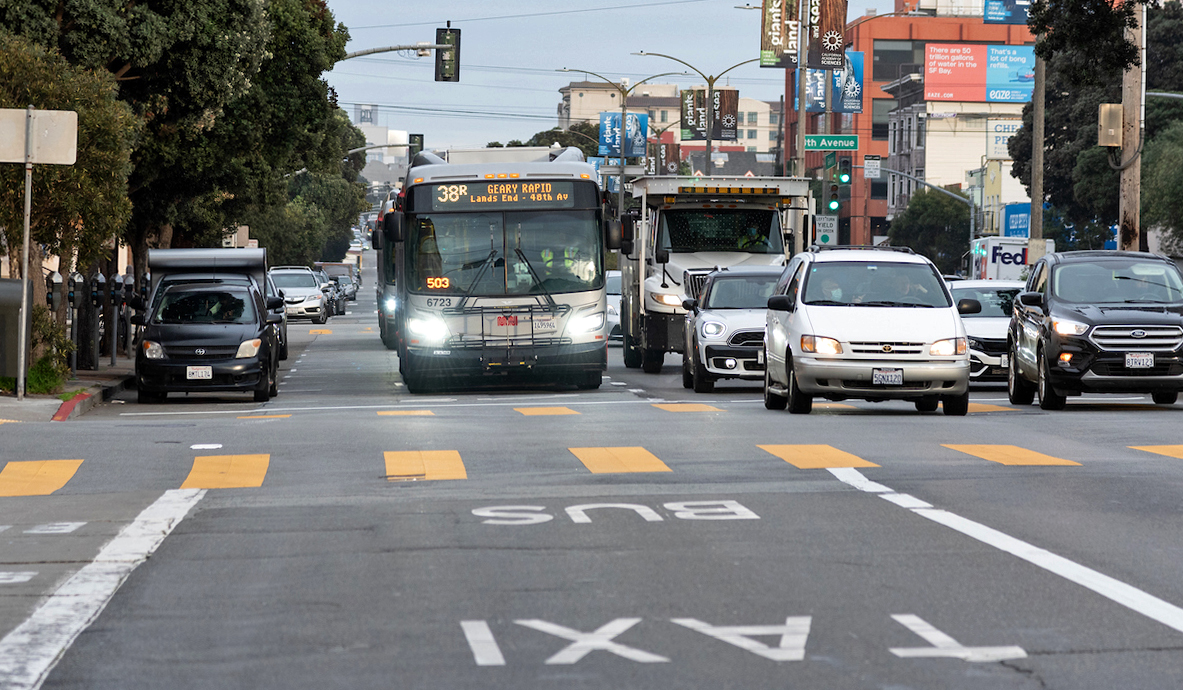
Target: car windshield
point(1121, 281)
point(874, 284)
point(756, 231)
point(996, 302)
point(194, 304)
point(740, 292)
point(294, 279)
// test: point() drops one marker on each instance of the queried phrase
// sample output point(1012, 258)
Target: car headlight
point(250, 348)
point(587, 323)
point(152, 350)
point(429, 328)
point(948, 347)
point(666, 299)
point(313, 298)
point(1069, 327)
point(820, 345)
point(712, 329)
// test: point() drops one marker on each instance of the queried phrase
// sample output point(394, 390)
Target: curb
point(82, 403)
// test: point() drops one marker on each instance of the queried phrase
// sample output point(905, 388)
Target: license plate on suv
point(1139, 360)
point(887, 377)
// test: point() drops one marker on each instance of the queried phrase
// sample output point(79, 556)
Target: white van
point(866, 323)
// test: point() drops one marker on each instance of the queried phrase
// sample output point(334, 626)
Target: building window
point(920, 133)
point(751, 149)
point(773, 119)
point(878, 190)
point(880, 109)
point(751, 134)
point(753, 118)
point(891, 147)
point(894, 59)
point(773, 134)
point(665, 114)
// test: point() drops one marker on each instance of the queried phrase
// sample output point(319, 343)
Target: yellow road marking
point(320, 331)
point(622, 459)
point(266, 416)
point(816, 457)
point(9, 421)
point(833, 406)
point(406, 413)
point(227, 472)
point(367, 328)
point(1009, 455)
point(982, 407)
point(544, 411)
point(424, 464)
point(687, 407)
point(1169, 451)
point(36, 477)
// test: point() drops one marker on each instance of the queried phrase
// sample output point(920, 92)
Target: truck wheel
point(632, 355)
point(1048, 398)
point(1165, 397)
point(1018, 390)
point(652, 361)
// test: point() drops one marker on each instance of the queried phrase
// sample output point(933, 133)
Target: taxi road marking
point(320, 331)
point(1169, 451)
point(687, 407)
point(406, 413)
point(424, 464)
point(1009, 455)
point(815, 457)
point(36, 477)
point(227, 472)
point(544, 411)
point(618, 460)
point(266, 416)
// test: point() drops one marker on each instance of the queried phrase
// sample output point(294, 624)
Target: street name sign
point(831, 142)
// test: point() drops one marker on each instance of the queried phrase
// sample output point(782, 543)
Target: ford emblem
point(199, 351)
point(1138, 334)
point(887, 348)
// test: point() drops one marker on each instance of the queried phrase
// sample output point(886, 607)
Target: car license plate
point(1003, 361)
point(1139, 360)
point(199, 373)
point(292, 311)
point(887, 377)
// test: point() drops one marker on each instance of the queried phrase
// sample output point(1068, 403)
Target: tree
point(1162, 185)
point(936, 226)
point(582, 135)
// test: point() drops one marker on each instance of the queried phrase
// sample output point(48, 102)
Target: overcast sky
point(510, 51)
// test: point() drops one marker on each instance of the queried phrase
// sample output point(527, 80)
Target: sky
point(511, 51)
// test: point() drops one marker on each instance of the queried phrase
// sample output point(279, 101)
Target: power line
point(531, 14)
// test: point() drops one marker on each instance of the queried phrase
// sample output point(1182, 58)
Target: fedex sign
point(999, 255)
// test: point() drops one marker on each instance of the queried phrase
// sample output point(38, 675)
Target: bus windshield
point(756, 231)
point(504, 252)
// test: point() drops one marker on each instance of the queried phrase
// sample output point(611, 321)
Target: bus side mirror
point(392, 226)
point(612, 234)
point(626, 247)
point(628, 228)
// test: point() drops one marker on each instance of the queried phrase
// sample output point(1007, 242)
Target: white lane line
point(1115, 590)
point(30, 651)
point(484, 646)
point(205, 446)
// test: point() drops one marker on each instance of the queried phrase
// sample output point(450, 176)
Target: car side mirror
point(326, 287)
point(138, 319)
point(969, 306)
point(661, 256)
point(781, 303)
point(690, 304)
point(274, 302)
point(137, 303)
point(1031, 299)
point(273, 319)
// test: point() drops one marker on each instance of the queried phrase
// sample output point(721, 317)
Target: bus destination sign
point(518, 194)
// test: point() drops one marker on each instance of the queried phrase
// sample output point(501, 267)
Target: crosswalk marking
point(544, 411)
point(1169, 451)
point(406, 413)
point(227, 472)
point(983, 407)
point(815, 457)
point(686, 407)
point(266, 416)
point(619, 460)
point(36, 477)
point(1009, 455)
point(424, 464)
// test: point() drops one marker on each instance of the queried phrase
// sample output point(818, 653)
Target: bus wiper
point(550, 301)
point(484, 266)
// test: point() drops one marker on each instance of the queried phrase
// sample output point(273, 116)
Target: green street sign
point(831, 160)
point(831, 142)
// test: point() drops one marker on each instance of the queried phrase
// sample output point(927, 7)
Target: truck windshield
point(874, 284)
point(755, 231)
point(505, 253)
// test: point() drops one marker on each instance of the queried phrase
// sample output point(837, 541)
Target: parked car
point(725, 327)
point(304, 296)
point(281, 328)
point(1097, 321)
point(612, 285)
point(986, 330)
point(336, 295)
point(874, 323)
point(346, 285)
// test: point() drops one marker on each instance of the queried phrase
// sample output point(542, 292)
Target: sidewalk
point(93, 386)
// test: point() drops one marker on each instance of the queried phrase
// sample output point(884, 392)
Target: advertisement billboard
point(979, 73)
point(694, 115)
point(779, 34)
point(846, 90)
point(635, 134)
point(1016, 220)
point(1005, 11)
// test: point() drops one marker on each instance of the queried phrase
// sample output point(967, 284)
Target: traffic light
point(844, 170)
point(447, 60)
point(832, 201)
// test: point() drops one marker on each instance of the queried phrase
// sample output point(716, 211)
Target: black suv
point(1097, 321)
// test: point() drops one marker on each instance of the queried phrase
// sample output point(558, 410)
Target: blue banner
point(1005, 11)
point(846, 91)
point(1010, 74)
point(635, 135)
point(1016, 220)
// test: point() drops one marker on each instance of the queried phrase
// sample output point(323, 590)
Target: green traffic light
point(833, 204)
point(844, 177)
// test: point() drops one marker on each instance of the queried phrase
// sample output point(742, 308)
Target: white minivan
point(873, 323)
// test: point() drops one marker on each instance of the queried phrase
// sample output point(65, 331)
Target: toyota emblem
point(199, 351)
point(887, 348)
point(1138, 334)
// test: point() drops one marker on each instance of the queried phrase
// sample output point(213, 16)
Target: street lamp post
point(710, 80)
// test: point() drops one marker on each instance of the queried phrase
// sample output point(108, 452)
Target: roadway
point(349, 534)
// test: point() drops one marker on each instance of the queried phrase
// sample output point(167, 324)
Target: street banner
point(846, 90)
point(1005, 11)
point(827, 33)
point(1016, 220)
point(634, 136)
point(779, 34)
point(694, 115)
point(979, 73)
point(668, 157)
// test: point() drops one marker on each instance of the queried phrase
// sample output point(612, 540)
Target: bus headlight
point(587, 323)
point(250, 348)
point(429, 328)
point(390, 304)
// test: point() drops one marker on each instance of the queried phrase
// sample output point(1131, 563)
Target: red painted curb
point(67, 407)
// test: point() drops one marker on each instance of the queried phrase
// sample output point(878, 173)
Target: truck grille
point(693, 283)
point(747, 338)
point(887, 349)
point(1137, 337)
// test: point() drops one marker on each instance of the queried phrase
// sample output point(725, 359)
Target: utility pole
point(1036, 247)
point(1132, 95)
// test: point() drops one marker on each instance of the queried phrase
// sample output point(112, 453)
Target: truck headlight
point(587, 323)
point(948, 347)
point(820, 345)
point(429, 328)
point(713, 329)
point(250, 348)
point(666, 299)
point(1069, 327)
point(152, 350)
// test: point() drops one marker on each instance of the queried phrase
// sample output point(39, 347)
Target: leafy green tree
point(1162, 185)
point(936, 226)
point(582, 135)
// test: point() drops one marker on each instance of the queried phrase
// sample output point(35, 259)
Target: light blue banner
point(1016, 220)
point(1010, 74)
point(634, 145)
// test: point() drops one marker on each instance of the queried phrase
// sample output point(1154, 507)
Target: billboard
point(779, 34)
point(998, 134)
point(1016, 220)
point(1005, 11)
point(694, 115)
point(846, 90)
point(635, 135)
point(665, 159)
point(978, 73)
point(827, 33)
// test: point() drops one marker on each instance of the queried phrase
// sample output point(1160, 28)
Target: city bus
point(492, 266)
